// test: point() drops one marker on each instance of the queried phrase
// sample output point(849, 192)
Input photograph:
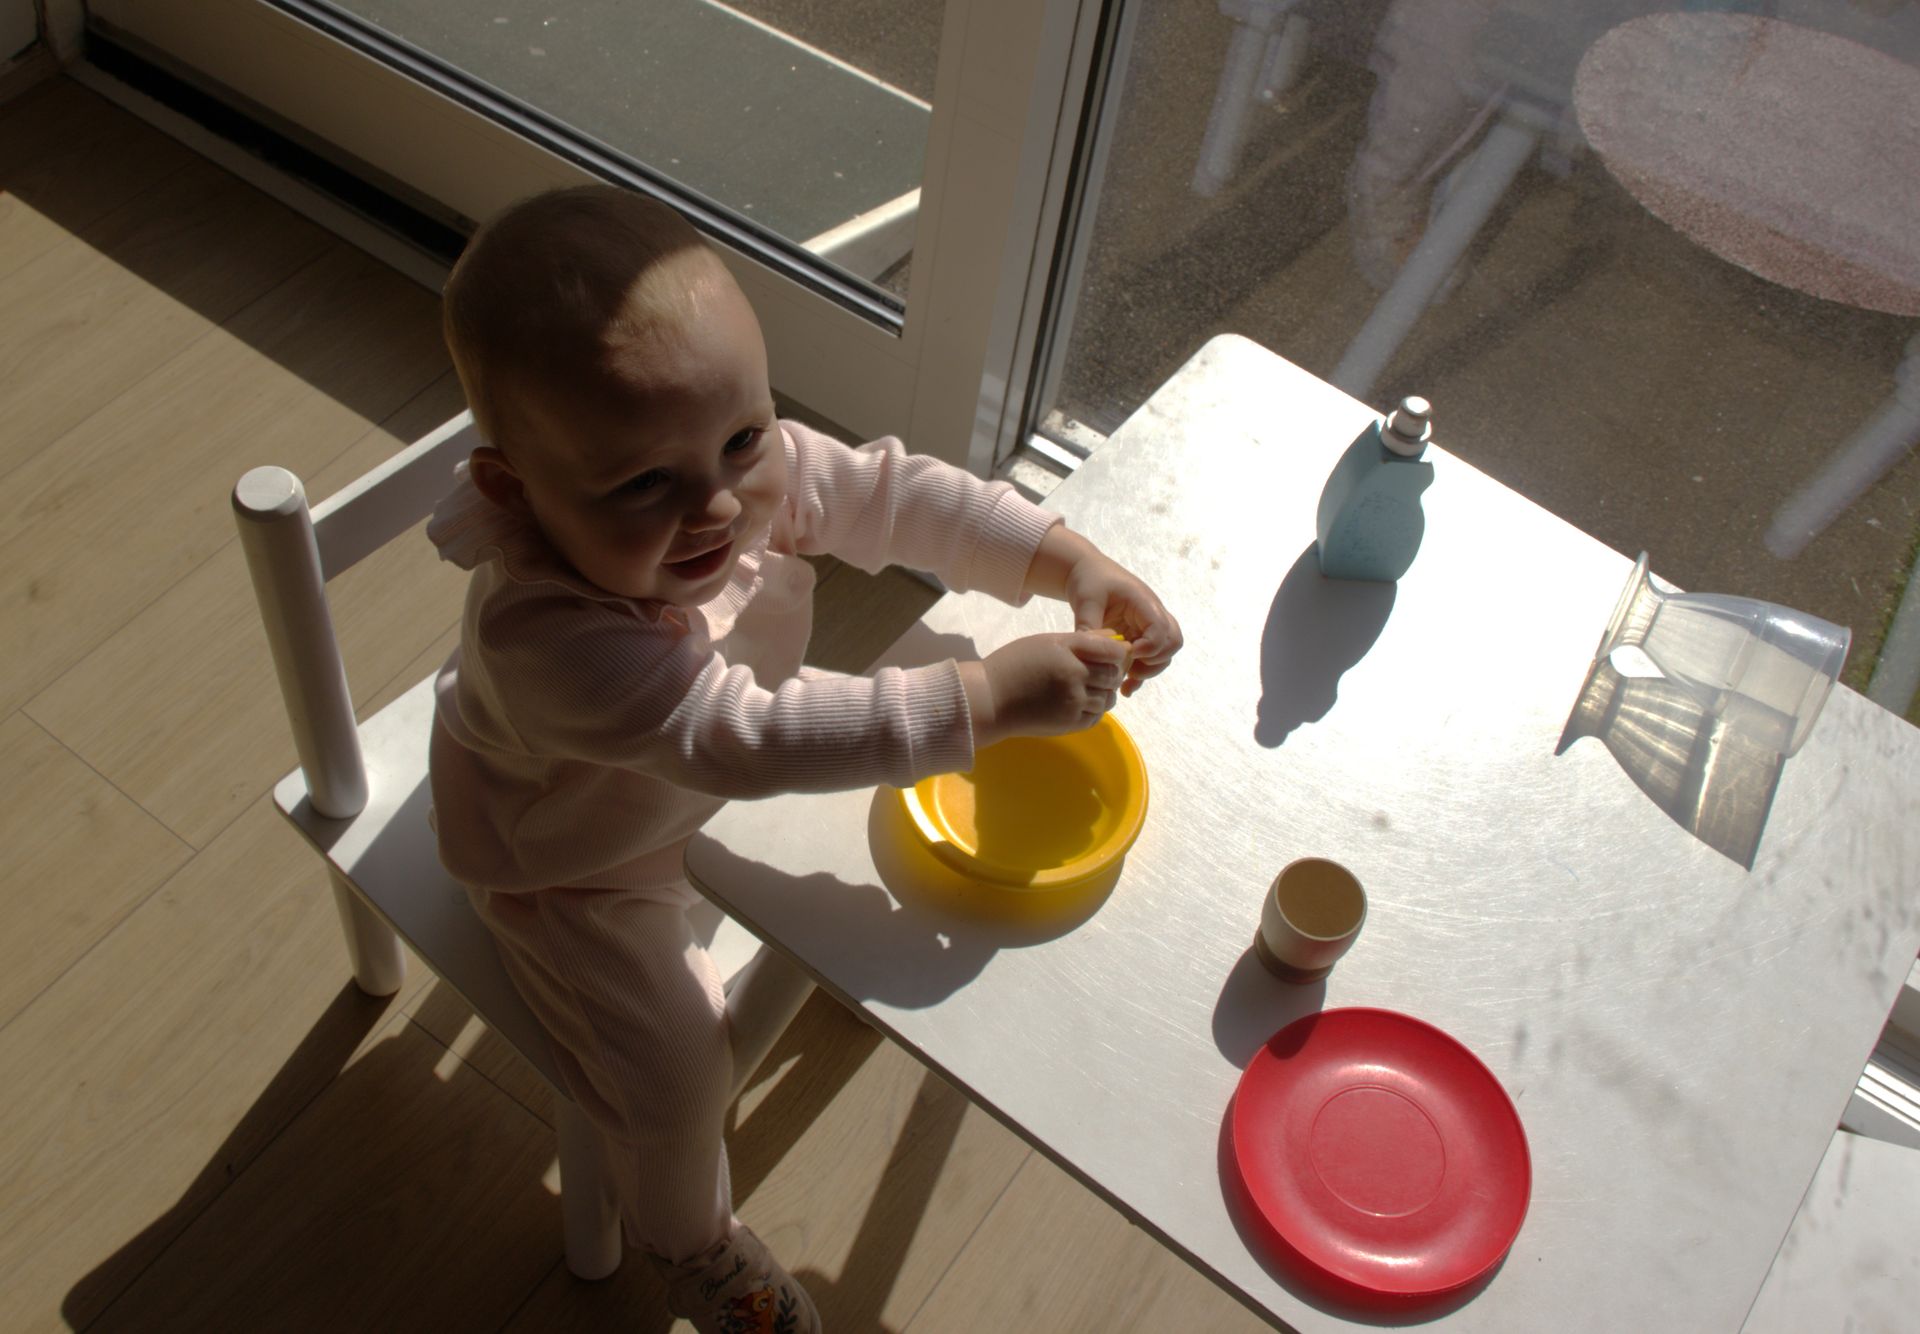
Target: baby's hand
point(1043, 685)
point(1106, 595)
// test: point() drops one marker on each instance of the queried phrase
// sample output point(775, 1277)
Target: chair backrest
point(291, 553)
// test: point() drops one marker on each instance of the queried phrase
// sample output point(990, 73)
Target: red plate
point(1382, 1152)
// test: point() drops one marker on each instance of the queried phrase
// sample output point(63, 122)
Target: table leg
point(1481, 183)
point(762, 1000)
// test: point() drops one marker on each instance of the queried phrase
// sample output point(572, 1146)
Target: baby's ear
point(495, 478)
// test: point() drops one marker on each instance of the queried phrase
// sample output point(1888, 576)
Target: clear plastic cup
point(1781, 662)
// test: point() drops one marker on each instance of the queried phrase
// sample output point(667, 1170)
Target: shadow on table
point(915, 958)
point(1254, 1005)
point(919, 645)
point(1316, 629)
point(1319, 1289)
point(936, 930)
point(1699, 765)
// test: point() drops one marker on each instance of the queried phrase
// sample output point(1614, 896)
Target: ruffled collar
point(469, 530)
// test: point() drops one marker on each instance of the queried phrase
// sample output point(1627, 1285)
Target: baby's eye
point(744, 440)
point(644, 483)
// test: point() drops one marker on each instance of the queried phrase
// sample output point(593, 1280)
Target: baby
point(630, 659)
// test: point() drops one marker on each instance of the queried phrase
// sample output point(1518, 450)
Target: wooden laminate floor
point(205, 1126)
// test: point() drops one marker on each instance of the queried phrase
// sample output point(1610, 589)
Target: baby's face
point(651, 488)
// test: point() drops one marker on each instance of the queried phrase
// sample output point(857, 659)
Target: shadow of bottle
point(1316, 629)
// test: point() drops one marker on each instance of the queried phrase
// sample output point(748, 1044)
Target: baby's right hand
point(1044, 685)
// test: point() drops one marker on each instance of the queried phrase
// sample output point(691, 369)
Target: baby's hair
point(551, 285)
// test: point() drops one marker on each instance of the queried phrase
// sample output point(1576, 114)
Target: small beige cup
point(1312, 913)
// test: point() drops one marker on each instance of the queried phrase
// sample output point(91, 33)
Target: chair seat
point(388, 853)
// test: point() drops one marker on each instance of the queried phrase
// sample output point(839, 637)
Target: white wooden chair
point(360, 795)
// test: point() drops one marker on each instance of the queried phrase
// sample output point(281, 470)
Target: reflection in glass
point(1681, 332)
point(1781, 661)
point(807, 122)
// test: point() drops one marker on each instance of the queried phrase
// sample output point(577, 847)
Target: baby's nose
point(722, 507)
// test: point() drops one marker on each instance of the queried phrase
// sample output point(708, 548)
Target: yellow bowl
point(1037, 812)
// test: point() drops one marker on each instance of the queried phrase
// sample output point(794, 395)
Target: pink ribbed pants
point(639, 1023)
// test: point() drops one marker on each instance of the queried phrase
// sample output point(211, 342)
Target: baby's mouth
point(703, 565)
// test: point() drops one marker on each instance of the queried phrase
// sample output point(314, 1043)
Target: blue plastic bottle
point(1370, 523)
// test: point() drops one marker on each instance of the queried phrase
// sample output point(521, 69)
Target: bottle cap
point(1408, 428)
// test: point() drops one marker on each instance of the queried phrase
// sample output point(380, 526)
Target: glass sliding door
point(1656, 270)
point(797, 142)
point(864, 165)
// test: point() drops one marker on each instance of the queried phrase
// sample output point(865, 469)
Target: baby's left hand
point(1105, 595)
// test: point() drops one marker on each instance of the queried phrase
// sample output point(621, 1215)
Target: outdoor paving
point(791, 139)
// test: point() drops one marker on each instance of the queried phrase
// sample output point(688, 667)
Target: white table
point(1679, 1035)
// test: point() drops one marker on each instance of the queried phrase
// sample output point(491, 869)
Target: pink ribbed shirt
point(580, 738)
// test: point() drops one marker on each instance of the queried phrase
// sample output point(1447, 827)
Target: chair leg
point(589, 1215)
point(1857, 467)
point(379, 964)
point(1286, 52)
point(1233, 100)
point(1481, 181)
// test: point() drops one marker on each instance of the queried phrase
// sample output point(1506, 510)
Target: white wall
point(19, 25)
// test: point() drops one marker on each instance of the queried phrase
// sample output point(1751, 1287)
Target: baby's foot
point(737, 1287)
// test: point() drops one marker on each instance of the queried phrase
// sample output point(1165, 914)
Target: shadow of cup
point(1254, 1006)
